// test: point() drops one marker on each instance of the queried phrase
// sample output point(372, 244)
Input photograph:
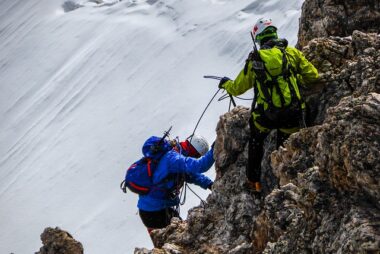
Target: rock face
point(322, 188)
point(323, 18)
point(348, 66)
point(57, 241)
point(328, 200)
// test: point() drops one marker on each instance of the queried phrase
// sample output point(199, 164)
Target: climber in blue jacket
point(184, 163)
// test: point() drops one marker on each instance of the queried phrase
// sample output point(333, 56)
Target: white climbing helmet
point(200, 144)
point(260, 26)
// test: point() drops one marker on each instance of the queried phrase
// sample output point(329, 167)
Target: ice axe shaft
point(232, 100)
point(213, 77)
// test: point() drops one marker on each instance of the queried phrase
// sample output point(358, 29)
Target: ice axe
point(220, 78)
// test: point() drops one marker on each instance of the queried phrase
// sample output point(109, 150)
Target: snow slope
point(81, 90)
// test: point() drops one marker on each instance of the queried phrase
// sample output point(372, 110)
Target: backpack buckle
point(257, 65)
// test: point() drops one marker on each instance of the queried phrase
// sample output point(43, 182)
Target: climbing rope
point(204, 111)
point(184, 192)
point(202, 201)
point(223, 97)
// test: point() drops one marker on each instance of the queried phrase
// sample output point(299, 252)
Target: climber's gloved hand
point(210, 186)
point(222, 81)
point(212, 145)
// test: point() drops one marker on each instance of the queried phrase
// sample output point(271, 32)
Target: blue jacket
point(171, 170)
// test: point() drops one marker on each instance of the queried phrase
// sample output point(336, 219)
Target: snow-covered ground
point(80, 91)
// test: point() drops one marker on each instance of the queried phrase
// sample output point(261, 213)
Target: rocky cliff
point(322, 188)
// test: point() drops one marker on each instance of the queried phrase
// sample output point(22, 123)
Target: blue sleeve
point(182, 164)
point(200, 180)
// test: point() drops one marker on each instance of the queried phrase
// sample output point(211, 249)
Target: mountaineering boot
point(254, 186)
point(257, 186)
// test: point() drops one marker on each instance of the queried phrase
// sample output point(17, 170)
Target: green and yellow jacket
point(302, 70)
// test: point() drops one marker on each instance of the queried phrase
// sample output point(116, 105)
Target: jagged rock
point(353, 163)
point(142, 251)
point(347, 66)
point(324, 18)
point(57, 241)
point(227, 149)
point(328, 201)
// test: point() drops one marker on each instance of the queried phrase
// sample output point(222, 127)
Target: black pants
point(157, 219)
point(256, 148)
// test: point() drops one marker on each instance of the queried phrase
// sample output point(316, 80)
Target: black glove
point(212, 145)
point(210, 186)
point(222, 81)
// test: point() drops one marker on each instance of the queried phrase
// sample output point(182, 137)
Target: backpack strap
point(148, 166)
point(258, 67)
point(286, 72)
point(250, 57)
point(291, 71)
point(255, 89)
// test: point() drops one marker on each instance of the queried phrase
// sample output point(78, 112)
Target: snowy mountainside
point(81, 89)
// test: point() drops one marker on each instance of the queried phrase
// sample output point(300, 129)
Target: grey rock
point(324, 18)
point(56, 241)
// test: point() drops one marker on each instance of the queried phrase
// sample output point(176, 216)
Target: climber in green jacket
point(275, 72)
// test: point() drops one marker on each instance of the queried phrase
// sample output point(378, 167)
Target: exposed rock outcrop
point(57, 241)
point(322, 188)
point(328, 200)
point(324, 18)
point(347, 66)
